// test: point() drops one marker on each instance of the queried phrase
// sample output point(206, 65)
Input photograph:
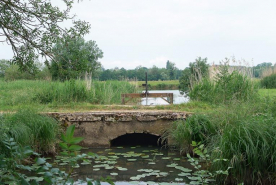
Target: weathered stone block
point(146, 118)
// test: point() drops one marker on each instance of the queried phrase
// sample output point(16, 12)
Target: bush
point(269, 82)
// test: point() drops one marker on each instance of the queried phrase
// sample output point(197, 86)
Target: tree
point(4, 65)
point(195, 72)
point(73, 57)
point(31, 27)
point(258, 70)
point(170, 66)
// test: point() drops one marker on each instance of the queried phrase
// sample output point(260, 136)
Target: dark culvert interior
point(142, 139)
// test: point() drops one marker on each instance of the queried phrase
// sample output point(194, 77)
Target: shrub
point(269, 82)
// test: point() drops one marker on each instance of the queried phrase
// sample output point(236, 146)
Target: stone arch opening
point(142, 139)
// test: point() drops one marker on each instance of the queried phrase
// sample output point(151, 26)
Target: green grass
point(47, 95)
point(244, 133)
point(267, 92)
point(29, 128)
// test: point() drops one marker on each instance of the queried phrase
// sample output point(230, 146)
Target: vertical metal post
point(146, 88)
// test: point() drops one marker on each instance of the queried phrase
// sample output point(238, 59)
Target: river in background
point(178, 98)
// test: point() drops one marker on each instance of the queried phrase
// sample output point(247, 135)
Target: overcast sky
point(150, 32)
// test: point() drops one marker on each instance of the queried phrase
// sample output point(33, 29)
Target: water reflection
point(178, 98)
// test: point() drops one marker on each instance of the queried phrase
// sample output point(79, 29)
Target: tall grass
point(196, 128)
point(243, 133)
point(242, 129)
point(250, 147)
point(29, 128)
point(40, 93)
point(226, 87)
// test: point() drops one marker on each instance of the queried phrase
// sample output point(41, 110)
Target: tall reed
point(227, 86)
point(29, 128)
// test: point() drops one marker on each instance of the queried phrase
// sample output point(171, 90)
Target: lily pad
point(145, 156)
point(151, 163)
point(108, 167)
point(173, 165)
point(122, 169)
point(135, 178)
point(132, 159)
point(96, 169)
point(183, 169)
point(184, 174)
point(178, 179)
point(114, 174)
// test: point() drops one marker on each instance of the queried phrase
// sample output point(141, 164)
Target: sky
point(135, 33)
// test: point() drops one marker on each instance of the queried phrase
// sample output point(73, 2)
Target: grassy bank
point(46, 95)
point(239, 134)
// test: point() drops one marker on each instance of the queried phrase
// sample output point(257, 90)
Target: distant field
point(160, 85)
point(267, 92)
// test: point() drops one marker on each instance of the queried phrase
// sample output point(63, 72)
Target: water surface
point(134, 165)
point(178, 98)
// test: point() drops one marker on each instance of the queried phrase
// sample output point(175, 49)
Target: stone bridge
point(100, 128)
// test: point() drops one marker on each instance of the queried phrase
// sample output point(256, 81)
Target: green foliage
point(269, 82)
point(154, 73)
point(66, 92)
point(225, 88)
point(74, 57)
point(195, 128)
point(13, 170)
point(194, 73)
point(30, 31)
point(109, 92)
point(243, 133)
point(250, 147)
point(30, 129)
point(76, 91)
point(258, 69)
point(203, 175)
point(13, 73)
point(4, 64)
point(170, 66)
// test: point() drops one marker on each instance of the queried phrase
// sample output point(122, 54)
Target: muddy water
point(136, 165)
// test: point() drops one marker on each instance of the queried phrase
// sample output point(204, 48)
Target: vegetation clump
point(28, 128)
point(269, 82)
point(225, 87)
